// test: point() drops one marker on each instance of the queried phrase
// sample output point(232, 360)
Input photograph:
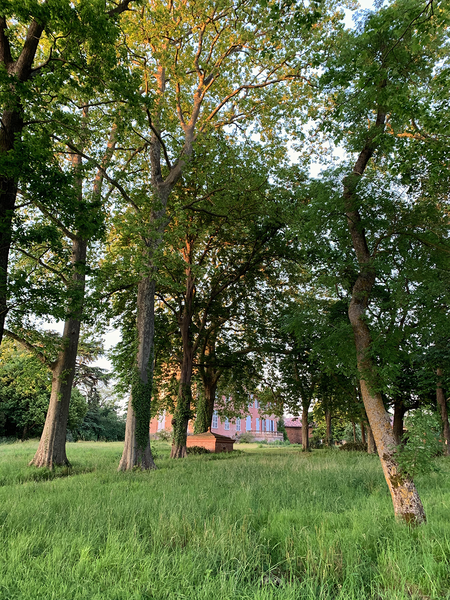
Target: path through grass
point(268, 524)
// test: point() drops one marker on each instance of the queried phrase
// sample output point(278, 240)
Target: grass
point(265, 524)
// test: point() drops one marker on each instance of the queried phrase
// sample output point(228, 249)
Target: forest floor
point(261, 524)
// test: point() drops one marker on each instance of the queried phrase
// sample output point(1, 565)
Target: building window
point(215, 420)
point(238, 424)
point(256, 404)
point(248, 424)
point(257, 425)
point(227, 424)
point(271, 425)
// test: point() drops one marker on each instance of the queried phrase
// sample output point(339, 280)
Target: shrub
point(164, 435)
point(197, 450)
point(421, 443)
point(354, 446)
point(245, 438)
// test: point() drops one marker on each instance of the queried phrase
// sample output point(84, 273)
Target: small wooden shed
point(213, 442)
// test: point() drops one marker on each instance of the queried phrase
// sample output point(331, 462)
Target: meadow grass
point(264, 524)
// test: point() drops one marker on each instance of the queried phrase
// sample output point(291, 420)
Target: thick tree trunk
point(329, 432)
point(137, 451)
point(305, 430)
point(442, 405)
point(52, 446)
point(406, 501)
point(397, 425)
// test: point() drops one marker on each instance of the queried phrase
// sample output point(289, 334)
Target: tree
point(74, 229)
point(41, 45)
point(203, 67)
point(389, 55)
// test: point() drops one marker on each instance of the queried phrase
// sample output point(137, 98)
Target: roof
point(292, 422)
point(209, 435)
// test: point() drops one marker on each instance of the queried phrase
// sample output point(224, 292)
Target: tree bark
point(397, 425)
point(182, 412)
point(442, 405)
point(52, 446)
point(137, 451)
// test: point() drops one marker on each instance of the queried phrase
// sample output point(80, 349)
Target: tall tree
point(394, 47)
point(203, 67)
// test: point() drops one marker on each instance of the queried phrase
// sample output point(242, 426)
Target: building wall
point(260, 427)
point(294, 434)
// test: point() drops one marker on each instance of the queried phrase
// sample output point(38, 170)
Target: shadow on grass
point(36, 474)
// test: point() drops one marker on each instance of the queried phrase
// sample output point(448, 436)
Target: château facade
point(259, 426)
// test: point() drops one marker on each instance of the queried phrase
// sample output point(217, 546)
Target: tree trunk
point(354, 431)
point(305, 430)
point(8, 192)
point(363, 433)
point(406, 501)
point(10, 131)
point(137, 451)
point(442, 405)
point(397, 425)
point(371, 447)
point(329, 437)
point(11, 128)
point(205, 407)
point(183, 409)
point(52, 446)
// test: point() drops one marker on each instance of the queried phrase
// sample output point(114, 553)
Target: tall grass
point(267, 524)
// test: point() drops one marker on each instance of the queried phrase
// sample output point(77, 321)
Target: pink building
point(261, 427)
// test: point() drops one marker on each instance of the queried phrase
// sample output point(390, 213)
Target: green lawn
point(268, 523)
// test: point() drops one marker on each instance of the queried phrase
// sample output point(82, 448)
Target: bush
point(421, 443)
point(164, 435)
point(354, 446)
point(197, 450)
point(245, 438)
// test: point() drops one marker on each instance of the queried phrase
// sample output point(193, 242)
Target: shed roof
point(209, 434)
point(292, 422)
